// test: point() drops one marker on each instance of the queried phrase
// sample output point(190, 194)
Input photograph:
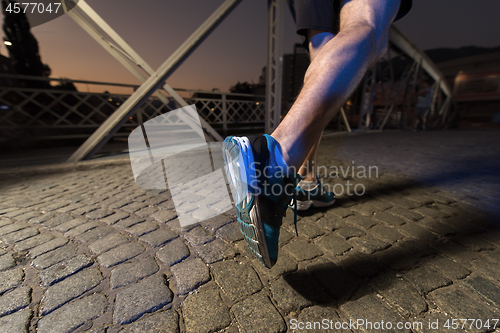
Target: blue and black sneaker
point(262, 191)
point(313, 195)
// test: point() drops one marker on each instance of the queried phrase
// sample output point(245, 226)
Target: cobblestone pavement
point(91, 251)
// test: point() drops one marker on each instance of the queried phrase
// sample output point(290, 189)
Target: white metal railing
point(52, 113)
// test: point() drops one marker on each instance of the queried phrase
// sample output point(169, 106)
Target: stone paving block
point(15, 300)
point(284, 264)
point(433, 318)
point(175, 224)
point(214, 251)
point(7, 229)
point(47, 246)
point(308, 229)
point(426, 279)
point(449, 268)
point(6, 261)
point(437, 227)
point(190, 274)
point(486, 289)
point(386, 233)
point(107, 243)
point(54, 206)
point(287, 298)
point(401, 294)
point(365, 209)
point(405, 213)
point(459, 304)
point(131, 272)
point(349, 232)
point(33, 242)
point(133, 207)
point(335, 280)
point(371, 310)
point(317, 314)
point(20, 235)
point(53, 257)
point(413, 230)
point(236, 279)
point(69, 289)
point(403, 202)
point(164, 215)
point(94, 234)
point(146, 296)
point(99, 214)
point(216, 222)
point(363, 222)
point(58, 220)
point(303, 250)
point(167, 205)
point(27, 216)
point(73, 315)
point(129, 221)
point(120, 254)
point(17, 322)
point(70, 207)
point(333, 244)
point(112, 219)
point(230, 232)
point(430, 212)
point(258, 314)
point(142, 228)
point(85, 209)
point(10, 279)
point(285, 236)
point(205, 312)
point(361, 264)
point(473, 243)
point(173, 252)
point(380, 205)
point(164, 321)
point(158, 237)
point(420, 199)
point(203, 213)
point(156, 200)
point(198, 236)
point(81, 229)
point(369, 244)
point(330, 222)
point(388, 218)
point(4, 222)
point(66, 226)
point(339, 212)
point(64, 269)
point(146, 211)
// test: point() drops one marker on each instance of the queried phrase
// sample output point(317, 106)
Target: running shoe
point(262, 191)
point(314, 197)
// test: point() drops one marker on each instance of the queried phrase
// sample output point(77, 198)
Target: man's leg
point(334, 73)
point(317, 39)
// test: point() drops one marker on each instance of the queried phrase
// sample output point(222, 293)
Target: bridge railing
point(34, 113)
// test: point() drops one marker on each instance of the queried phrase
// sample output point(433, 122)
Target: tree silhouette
point(23, 52)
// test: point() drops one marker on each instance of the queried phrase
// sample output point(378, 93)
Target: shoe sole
point(305, 205)
point(253, 230)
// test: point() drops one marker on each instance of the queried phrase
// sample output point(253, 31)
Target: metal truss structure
point(152, 80)
point(98, 29)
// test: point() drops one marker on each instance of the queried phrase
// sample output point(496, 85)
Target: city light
point(7, 43)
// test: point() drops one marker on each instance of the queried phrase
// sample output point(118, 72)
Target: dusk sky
point(237, 49)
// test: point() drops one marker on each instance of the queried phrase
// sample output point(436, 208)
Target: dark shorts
point(323, 15)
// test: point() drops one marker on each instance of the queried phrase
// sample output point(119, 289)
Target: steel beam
point(84, 15)
point(275, 12)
